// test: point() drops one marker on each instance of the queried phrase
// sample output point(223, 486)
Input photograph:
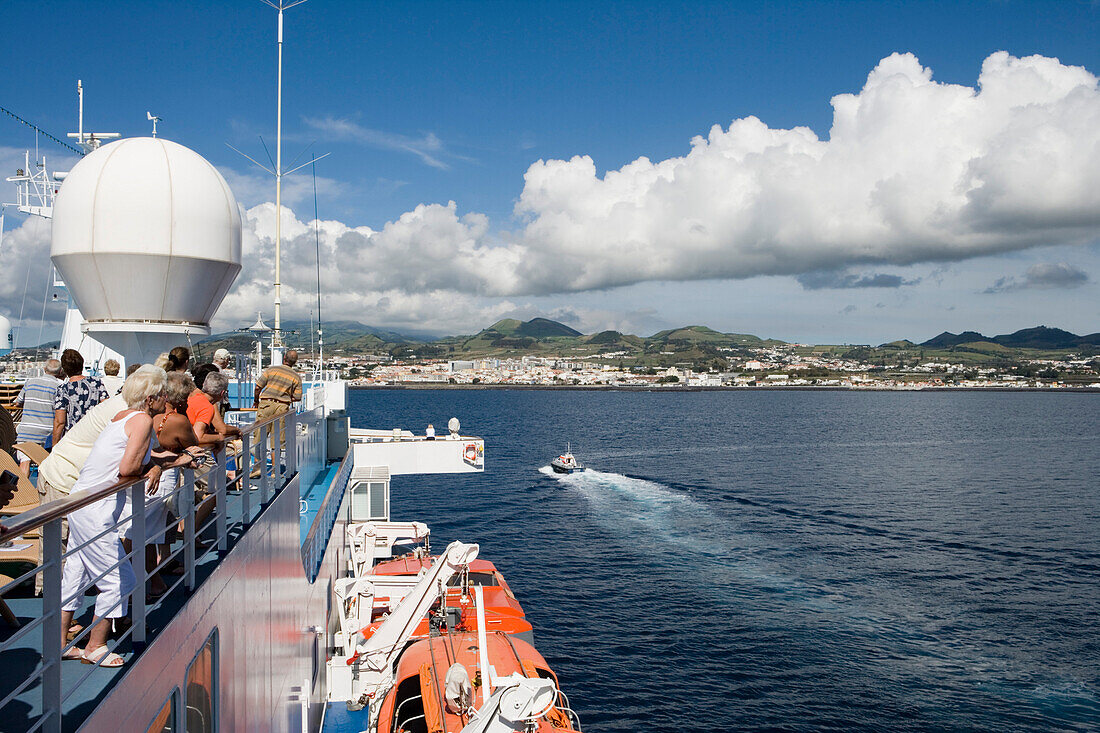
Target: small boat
point(566, 463)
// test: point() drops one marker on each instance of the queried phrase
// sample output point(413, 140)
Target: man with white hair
point(36, 398)
point(222, 358)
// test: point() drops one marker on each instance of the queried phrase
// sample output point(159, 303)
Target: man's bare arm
point(204, 435)
point(219, 425)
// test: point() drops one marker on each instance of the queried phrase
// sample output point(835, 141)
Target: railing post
point(51, 626)
point(261, 461)
point(278, 445)
point(244, 468)
point(186, 505)
point(137, 561)
point(322, 439)
point(291, 442)
point(220, 501)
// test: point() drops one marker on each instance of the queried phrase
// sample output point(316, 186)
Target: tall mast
point(279, 191)
point(276, 336)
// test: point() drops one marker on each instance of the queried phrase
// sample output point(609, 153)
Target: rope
point(42, 318)
point(23, 305)
point(40, 131)
point(191, 347)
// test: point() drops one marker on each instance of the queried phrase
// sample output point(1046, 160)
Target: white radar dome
point(146, 230)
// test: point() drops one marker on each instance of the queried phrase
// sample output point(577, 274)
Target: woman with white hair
point(122, 450)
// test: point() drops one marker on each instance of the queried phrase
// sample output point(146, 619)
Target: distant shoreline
point(768, 388)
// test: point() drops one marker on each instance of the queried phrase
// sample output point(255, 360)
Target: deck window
point(202, 681)
point(370, 501)
point(165, 722)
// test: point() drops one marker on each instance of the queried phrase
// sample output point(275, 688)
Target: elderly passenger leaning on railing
point(122, 449)
point(175, 434)
point(206, 420)
point(60, 470)
point(177, 388)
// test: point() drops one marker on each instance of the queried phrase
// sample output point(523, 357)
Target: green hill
point(504, 326)
point(1039, 337)
point(705, 335)
point(948, 339)
point(545, 328)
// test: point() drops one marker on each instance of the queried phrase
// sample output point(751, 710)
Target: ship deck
point(338, 719)
point(23, 713)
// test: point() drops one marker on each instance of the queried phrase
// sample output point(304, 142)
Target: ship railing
point(321, 375)
point(312, 462)
point(32, 653)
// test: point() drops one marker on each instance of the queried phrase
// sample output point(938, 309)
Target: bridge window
point(202, 680)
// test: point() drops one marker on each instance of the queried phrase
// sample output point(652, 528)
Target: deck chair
point(14, 561)
point(26, 495)
point(34, 451)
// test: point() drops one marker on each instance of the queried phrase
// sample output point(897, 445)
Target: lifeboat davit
point(503, 612)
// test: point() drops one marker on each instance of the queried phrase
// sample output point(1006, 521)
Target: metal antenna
point(281, 6)
point(278, 172)
point(154, 119)
point(317, 244)
point(266, 151)
point(88, 141)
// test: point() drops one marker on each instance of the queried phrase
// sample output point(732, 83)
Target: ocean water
point(795, 561)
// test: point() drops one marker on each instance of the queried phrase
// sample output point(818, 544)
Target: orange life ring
point(471, 452)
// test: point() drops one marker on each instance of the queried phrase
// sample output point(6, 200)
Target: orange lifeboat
point(418, 701)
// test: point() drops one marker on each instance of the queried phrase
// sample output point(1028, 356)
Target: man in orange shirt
point(202, 406)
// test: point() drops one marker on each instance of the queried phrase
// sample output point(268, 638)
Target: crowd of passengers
point(162, 418)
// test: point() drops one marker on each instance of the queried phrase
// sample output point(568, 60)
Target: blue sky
point(423, 104)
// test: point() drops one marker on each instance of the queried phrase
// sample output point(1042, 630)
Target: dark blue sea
point(795, 561)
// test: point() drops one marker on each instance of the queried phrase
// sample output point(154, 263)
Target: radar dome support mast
point(88, 141)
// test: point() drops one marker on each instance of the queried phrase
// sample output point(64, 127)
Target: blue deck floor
point(314, 494)
point(338, 719)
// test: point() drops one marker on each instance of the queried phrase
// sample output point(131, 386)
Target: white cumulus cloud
point(913, 171)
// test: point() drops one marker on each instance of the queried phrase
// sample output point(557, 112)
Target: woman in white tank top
point(121, 450)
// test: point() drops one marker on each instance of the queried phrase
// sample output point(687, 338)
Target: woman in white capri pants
point(121, 450)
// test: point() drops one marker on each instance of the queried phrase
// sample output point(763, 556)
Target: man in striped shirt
point(36, 397)
point(276, 389)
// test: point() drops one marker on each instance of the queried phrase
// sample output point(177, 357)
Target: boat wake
point(658, 519)
point(734, 568)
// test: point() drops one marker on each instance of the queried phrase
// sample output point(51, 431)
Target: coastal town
point(786, 366)
point(545, 354)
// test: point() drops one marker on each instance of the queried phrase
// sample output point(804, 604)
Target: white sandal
point(106, 659)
